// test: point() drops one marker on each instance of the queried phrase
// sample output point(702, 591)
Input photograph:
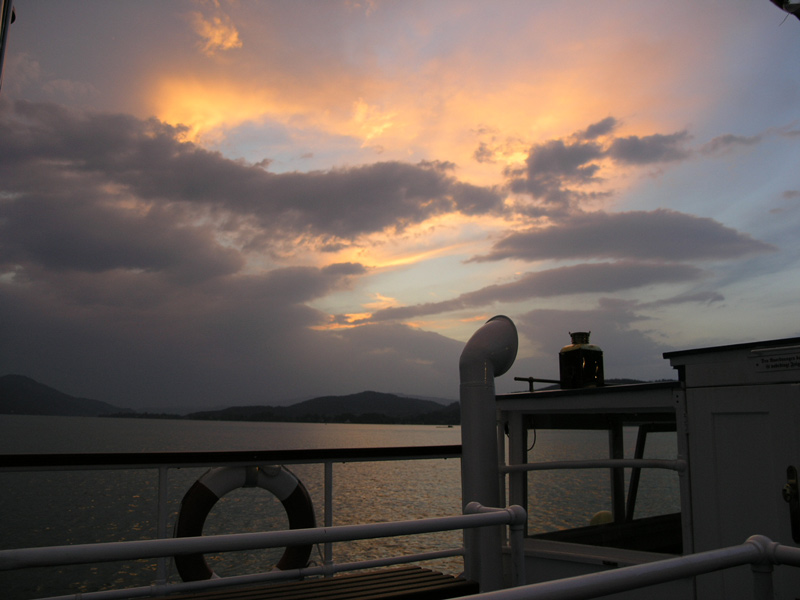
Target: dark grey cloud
point(484, 154)
point(557, 171)
point(554, 163)
point(346, 203)
point(348, 268)
point(703, 297)
point(474, 200)
point(729, 141)
point(590, 278)
point(656, 148)
point(599, 129)
point(648, 235)
point(69, 233)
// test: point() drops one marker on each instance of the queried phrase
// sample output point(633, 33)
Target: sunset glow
point(206, 199)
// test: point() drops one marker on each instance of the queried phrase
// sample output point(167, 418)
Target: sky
point(216, 203)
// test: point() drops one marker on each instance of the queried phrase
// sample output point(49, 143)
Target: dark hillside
point(364, 407)
point(20, 395)
point(364, 403)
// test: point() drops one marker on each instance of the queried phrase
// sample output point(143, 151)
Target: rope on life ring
point(217, 482)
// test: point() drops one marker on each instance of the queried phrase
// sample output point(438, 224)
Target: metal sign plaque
point(778, 362)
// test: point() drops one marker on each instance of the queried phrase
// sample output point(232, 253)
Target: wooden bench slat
point(408, 583)
point(433, 591)
point(285, 587)
point(262, 590)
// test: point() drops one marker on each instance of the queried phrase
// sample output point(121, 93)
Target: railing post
point(161, 568)
point(517, 540)
point(327, 552)
point(516, 524)
point(762, 581)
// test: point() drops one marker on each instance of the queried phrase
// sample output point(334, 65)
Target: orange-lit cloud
point(371, 121)
point(413, 106)
point(209, 110)
point(380, 302)
point(483, 317)
point(217, 32)
point(443, 235)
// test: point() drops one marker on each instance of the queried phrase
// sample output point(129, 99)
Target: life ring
point(217, 482)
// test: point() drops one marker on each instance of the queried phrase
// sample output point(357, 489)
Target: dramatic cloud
point(655, 235)
point(51, 155)
point(578, 279)
point(698, 297)
point(65, 233)
point(229, 202)
point(649, 149)
point(553, 165)
point(598, 129)
point(724, 143)
point(556, 172)
point(128, 249)
point(217, 32)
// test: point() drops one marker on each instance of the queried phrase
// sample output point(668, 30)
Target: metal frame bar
point(153, 460)
point(114, 551)
point(646, 463)
point(758, 551)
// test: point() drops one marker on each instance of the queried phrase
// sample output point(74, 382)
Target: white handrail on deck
point(157, 589)
point(758, 551)
point(164, 461)
point(476, 516)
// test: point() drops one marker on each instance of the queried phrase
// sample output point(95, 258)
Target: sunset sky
point(216, 203)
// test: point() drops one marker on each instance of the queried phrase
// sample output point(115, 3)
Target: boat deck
point(406, 583)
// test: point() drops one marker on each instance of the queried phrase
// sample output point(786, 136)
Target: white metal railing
point(476, 516)
point(165, 461)
point(758, 551)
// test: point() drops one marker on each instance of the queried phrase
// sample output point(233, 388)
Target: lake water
point(72, 507)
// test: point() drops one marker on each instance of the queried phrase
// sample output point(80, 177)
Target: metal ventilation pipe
point(489, 353)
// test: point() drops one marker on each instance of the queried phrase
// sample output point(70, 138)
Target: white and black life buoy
point(217, 482)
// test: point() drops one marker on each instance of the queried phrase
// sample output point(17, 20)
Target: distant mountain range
point(23, 396)
point(364, 407)
point(20, 395)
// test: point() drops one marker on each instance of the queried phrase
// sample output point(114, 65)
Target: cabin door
point(742, 439)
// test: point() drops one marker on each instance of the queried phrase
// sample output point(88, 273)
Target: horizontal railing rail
point(758, 551)
point(476, 516)
point(49, 556)
point(611, 463)
point(161, 588)
point(145, 460)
